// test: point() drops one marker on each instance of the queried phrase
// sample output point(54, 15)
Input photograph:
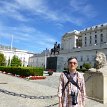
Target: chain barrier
point(26, 96)
point(34, 97)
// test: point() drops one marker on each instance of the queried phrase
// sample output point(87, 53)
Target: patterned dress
point(66, 97)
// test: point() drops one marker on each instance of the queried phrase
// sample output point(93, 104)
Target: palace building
point(10, 52)
point(83, 45)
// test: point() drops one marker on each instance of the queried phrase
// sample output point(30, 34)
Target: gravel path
point(44, 87)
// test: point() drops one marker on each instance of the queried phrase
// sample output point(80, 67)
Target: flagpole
point(11, 49)
point(11, 42)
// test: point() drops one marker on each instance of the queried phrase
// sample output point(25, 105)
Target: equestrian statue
point(55, 49)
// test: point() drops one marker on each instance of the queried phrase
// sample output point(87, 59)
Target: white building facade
point(21, 54)
point(39, 60)
point(83, 44)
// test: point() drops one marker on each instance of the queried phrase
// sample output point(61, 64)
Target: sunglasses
point(73, 63)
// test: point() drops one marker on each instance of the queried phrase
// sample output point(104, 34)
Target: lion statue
point(100, 63)
point(100, 60)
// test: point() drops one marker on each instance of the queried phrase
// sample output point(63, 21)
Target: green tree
point(15, 61)
point(9, 62)
point(87, 65)
point(2, 60)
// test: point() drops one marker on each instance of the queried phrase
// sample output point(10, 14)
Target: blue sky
point(38, 24)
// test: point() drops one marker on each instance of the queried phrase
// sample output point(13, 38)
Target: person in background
point(71, 95)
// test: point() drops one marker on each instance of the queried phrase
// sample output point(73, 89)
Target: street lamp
point(45, 57)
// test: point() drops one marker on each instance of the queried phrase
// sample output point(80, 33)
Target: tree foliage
point(87, 65)
point(15, 61)
point(2, 60)
point(9, 62)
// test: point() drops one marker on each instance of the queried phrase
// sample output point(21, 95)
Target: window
point(87, 58)
point(85, 41)
point(81, 58)
point(90, 39)
point(101, 30)
point(95, 39)
point(101, 38)
point(93, 58)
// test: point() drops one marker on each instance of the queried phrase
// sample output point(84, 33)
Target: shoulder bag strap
point(70, 79)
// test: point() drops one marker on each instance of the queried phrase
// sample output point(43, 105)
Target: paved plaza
point(45, 87)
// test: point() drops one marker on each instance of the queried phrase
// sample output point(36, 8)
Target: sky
point(37, 24)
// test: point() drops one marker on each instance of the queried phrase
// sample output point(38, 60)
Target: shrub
point(81, 70)
point(87, 65)
point(2, 60)
point(23, 71)
point(16, 61)
point(65, 69)
point(50, 72)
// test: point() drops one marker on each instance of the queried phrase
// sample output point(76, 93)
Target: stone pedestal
point(56, 63)
point(96, 86)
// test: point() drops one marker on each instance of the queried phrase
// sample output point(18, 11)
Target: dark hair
point(71, 58)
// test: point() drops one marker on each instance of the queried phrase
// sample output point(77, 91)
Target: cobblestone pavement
point(44, 87)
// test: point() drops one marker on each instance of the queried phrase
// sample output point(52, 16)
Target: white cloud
point(83, 7)
point(38, 7)
point(24, 36)
point(34, 8)
point(41, 8)
point(11, 10)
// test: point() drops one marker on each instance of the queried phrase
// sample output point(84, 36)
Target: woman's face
point(72, 64)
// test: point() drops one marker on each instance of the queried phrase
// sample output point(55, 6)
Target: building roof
point(8, 48)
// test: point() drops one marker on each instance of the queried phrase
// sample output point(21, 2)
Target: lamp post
point(45, 57)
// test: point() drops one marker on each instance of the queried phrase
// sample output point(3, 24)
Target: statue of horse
point(55, 49)
point(52, 51)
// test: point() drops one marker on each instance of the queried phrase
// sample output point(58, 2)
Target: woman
point(71, 95)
